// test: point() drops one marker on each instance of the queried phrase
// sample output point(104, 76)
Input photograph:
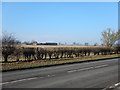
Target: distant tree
point(102, 44)
point(109, 37)
point(118, 33)
point(26, 42)
point(65, 43)
point(86, 44)
point(0, 47)
point(95, 44)
point(74, 43)
point(9, 45)
point(60, 43)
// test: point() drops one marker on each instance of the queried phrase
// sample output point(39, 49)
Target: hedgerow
point(47, 53)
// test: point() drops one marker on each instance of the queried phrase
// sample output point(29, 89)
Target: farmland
point(29, 56)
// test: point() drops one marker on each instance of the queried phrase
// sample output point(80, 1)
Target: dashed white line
point(24, 80)
point(52, 75)
point(100, 66)
point(17, 81)
point(72, 71)
point(85, 69)
point(48, 75)
point(41, 77)
point(82, 69)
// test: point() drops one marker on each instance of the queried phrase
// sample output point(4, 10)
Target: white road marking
point(113, 86)
point(72, 71)
point(17, 81)
point(23, 80)
point(82, 69)
point(117, 84)
point(52, 75)
point(100, 66)
point(41, 77)
point(85, 69)
point(48, 75)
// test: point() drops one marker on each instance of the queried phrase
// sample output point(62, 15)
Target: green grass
point(39, 63)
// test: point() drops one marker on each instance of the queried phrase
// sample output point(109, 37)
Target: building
point(47, 43)
point(34, 43)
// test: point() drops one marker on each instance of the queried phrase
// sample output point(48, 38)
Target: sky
point(64, 22)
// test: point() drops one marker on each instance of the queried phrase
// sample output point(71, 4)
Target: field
point(53, 46)
point(30, 56)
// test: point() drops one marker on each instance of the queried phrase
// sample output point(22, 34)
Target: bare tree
point(109, 37)
point(9, 45)
point(0, 47)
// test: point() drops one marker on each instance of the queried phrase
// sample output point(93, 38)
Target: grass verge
point(53, 62)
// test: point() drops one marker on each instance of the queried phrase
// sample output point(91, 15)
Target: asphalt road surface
point(98, 74)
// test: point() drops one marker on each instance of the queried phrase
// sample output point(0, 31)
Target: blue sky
point(59, 22)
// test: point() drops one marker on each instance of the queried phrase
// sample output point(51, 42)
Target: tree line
point(48, 53)
point(11, 46)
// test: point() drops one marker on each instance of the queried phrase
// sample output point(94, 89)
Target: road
point(98, 74)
